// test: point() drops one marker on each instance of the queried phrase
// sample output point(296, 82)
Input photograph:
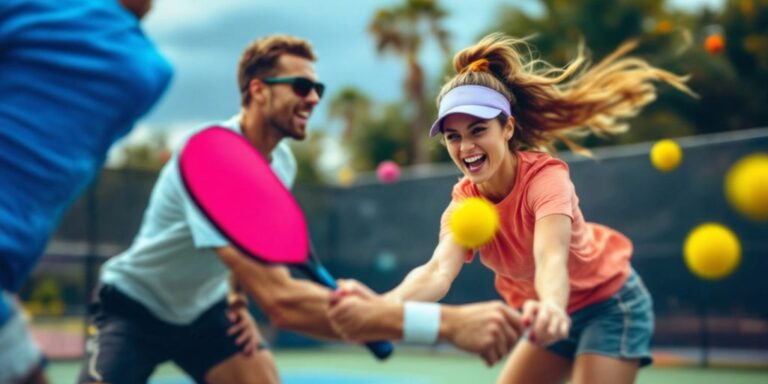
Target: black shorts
point(126, 342)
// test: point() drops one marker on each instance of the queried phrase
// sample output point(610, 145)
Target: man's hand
point(357, 313)
point(489, 329)
point(137, 7)
point(243, 325)
point(548, 322)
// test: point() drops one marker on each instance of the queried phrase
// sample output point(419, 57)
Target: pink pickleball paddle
point(237, 191)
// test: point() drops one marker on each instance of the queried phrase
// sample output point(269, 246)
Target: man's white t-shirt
point(171, 267)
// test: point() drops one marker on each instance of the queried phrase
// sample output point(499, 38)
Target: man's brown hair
point(259, 60)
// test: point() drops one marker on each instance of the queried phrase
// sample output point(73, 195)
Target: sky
point(203, 40)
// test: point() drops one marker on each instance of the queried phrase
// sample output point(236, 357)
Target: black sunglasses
point(301, 85)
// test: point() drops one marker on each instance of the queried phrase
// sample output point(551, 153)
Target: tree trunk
point(419, 123)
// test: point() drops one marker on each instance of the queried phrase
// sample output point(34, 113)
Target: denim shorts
point(620, 326)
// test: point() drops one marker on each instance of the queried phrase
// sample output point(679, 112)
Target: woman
point(588, 314)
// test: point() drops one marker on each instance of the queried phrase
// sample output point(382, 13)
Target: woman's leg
point(616, 342)
point(591, 368)
point(530, 363)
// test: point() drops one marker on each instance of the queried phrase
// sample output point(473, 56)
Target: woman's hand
point(354, 288)
point(547, 322)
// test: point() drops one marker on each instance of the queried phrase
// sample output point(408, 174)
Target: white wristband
point(421, 322)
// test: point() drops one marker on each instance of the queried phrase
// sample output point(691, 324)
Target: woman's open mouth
point(475, 163)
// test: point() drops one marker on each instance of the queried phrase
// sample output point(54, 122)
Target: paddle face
point(236, 189)
point(239, 193)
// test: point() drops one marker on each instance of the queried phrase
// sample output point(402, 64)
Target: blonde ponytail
point(552, 104)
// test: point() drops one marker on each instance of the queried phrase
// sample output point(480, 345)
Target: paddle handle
point(315, 271)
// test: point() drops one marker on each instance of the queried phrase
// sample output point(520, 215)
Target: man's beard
point(286, 128)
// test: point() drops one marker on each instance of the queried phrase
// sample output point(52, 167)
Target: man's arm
point(297, 305)
point(489, 329)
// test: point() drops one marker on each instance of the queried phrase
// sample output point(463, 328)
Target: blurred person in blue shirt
point(75, 75)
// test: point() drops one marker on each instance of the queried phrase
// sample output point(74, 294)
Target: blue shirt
point(171, 267)
point(74, 77)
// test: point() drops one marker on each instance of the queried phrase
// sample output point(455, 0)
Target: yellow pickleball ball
point(712, 251)
point(474, 222)
point(345, 176)
point(746, 186)
point(666, 155)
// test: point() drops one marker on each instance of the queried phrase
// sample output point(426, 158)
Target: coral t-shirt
point(598, 259)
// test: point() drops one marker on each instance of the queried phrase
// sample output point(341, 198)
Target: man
point(74, 78)
point(164, 299)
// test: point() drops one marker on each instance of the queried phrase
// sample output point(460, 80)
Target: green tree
point(602, 26)
point(402, 30)
point(382, 139)
point(731, 84)
point(148, 155)
point(307, 153)
point(352, 106)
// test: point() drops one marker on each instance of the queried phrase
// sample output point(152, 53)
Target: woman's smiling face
point(477, 146)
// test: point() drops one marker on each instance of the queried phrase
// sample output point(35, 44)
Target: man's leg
point(120, 348)
point(210, 355)
point(20, 359)
point(259, 367)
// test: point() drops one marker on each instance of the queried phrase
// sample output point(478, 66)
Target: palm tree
point(401, 30)
point(352, 106)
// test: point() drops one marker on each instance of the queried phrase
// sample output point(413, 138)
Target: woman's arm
point(431, 281)
point(489, 329)
point(551, 242)
point(548, 317)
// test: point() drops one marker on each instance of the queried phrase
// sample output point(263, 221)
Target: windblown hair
point(549, 103)
point(259, 60)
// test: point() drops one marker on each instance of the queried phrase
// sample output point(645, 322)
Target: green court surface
point(416, 366)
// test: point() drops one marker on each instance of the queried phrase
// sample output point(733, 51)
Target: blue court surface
point(352, 365)
point(314, 378)
point(296, 378)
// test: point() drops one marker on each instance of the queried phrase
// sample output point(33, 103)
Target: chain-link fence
point(377, 232)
